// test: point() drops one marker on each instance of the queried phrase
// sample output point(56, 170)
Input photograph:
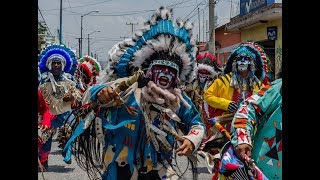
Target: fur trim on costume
point(206, 67)
point(160, 39)
point(208, 62)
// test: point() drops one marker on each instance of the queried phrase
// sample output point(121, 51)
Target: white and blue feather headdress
point(162, 41)
point(60, 53)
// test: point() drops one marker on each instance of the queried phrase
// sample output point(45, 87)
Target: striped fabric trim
point(240, 123)
point(263, 90)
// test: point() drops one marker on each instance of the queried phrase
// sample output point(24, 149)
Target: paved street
point(58, 169)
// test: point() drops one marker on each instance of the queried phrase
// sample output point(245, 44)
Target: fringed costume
point(258, 123)
point(136, 130)
point(242, 76)
point(44, 119)
point(206, 71)
point(57, 86)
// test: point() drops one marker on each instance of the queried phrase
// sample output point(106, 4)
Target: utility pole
point(230, 9)
point(199, 26)
point(79, 42)
point(203, 27)
point(212, 40)
point(206, 30)
point(81, 29)
point(132, 24)
point(88, 44)
point(60, 34)
point(89, 41)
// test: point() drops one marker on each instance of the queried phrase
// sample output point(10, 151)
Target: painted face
point(56, 67)
point(243, 63)
point(163, 76)
point(203, 75)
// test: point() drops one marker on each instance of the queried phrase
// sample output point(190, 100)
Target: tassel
point(168, 112)
point(87, 120)
point(157, 130)
point(98, 130)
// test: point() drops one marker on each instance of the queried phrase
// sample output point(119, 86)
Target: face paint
point(203, 75)
point(243, 63)
point(56, 67)
point(163, 76)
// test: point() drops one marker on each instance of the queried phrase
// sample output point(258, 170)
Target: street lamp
point(89, 41)
point(81, 29)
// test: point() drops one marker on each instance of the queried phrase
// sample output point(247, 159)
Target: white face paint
point(203, 77)
point(243, 63)
point(163, 76)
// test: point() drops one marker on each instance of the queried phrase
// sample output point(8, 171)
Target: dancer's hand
point(106, 95)
point(68, 98)
point(162, 96)
point(187, 147)
point(44, 128)
point(242, 149)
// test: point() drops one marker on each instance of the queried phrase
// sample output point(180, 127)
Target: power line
point(132, 24)
point(79, 6)
point(179, 3)
point(200, 10)
point(192, 10)
point(123, 13)
point(73, 16)
point(45, 21)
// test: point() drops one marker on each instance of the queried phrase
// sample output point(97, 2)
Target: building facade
point(225, 43)
point(261, 21)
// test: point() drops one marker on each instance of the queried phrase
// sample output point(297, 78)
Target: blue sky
point(112, 26)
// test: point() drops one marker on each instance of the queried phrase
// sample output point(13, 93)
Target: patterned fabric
point(126, 143)
point(258, 123)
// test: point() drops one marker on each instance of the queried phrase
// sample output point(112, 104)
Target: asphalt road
point(59, 170)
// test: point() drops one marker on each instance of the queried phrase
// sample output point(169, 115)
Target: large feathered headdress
point(255, 53)
point(208, 62)
point(89, 67)
point(162, 41)
point(58, 53)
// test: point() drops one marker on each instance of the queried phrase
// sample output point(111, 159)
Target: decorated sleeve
point(249, 114)
point(212, 93)
point(193, 126)
point(243, 125)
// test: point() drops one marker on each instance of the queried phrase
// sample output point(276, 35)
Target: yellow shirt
point(220, 93)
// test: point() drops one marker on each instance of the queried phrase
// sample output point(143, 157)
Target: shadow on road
point(59, 169)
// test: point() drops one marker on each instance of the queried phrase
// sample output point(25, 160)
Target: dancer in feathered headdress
point(142, 114)
point(114, 54)
point(206, 71)
point(87, 72)
point(242, 76)
point(57, 86)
